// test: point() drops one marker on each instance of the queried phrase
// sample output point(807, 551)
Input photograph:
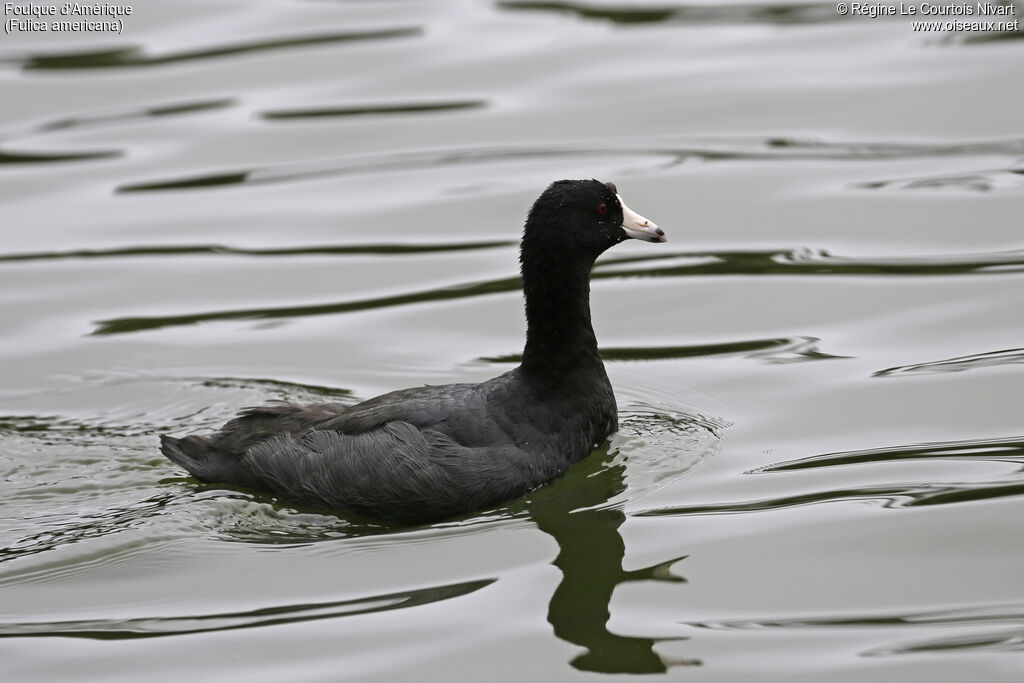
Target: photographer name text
point(965, 16)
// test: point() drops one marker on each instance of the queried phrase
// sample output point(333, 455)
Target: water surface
point(819, 469)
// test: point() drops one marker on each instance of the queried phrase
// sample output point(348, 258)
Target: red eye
point(602, 209)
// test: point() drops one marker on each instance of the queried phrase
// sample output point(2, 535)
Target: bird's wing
point(396, 472)
point(424, 407)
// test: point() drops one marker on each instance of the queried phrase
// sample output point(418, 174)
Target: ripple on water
point(984, 180)
point(371, 109)
point(658, 444)
point(781, 350)
point(657, 153)
point(170, 251)
point(70, 481)
point(134, 114)
point(983, 627)
point(806, 262)
point(895, 495)
point(132, 57)
point(157, 627)
point(999, 449)
point(958, 364)
point(692, 13)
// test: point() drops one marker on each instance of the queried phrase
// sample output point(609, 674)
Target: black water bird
point(427, 453)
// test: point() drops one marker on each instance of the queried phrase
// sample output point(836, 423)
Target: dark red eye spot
point(602, 209)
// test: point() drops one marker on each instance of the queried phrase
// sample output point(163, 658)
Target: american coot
point(423, 454)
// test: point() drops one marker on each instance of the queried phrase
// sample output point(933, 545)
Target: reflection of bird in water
point(590, 558)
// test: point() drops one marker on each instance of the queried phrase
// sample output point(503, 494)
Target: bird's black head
point(582, 218)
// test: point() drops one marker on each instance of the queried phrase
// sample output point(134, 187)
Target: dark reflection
point(1001, 640)
point(122, 325)
point(810, 262)
point(678, 264)
point(980, 181)
point(365, 110)
point(220, 250)
point(667, 154)
point(964, 493)
point(958, 364)
point(661, 352)
point(692, 14)
point(158, 627)
point(775, 350)
point(894, 496)
point(44, 158)
point(619, 15)
point(997, 619)
point(1002, 449)
point(888, 495)
point(988, 614)
point(276, 388)
point(149, 112)
point(574, 511)
point(211, 180)
point(134, 56)
point(396, 162)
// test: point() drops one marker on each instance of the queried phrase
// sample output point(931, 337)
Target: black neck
point(559, 335)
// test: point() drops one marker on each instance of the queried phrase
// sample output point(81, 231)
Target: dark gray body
point(410, 456)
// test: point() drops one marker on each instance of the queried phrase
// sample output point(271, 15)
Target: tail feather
point(204, 462)
point(221, 456)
